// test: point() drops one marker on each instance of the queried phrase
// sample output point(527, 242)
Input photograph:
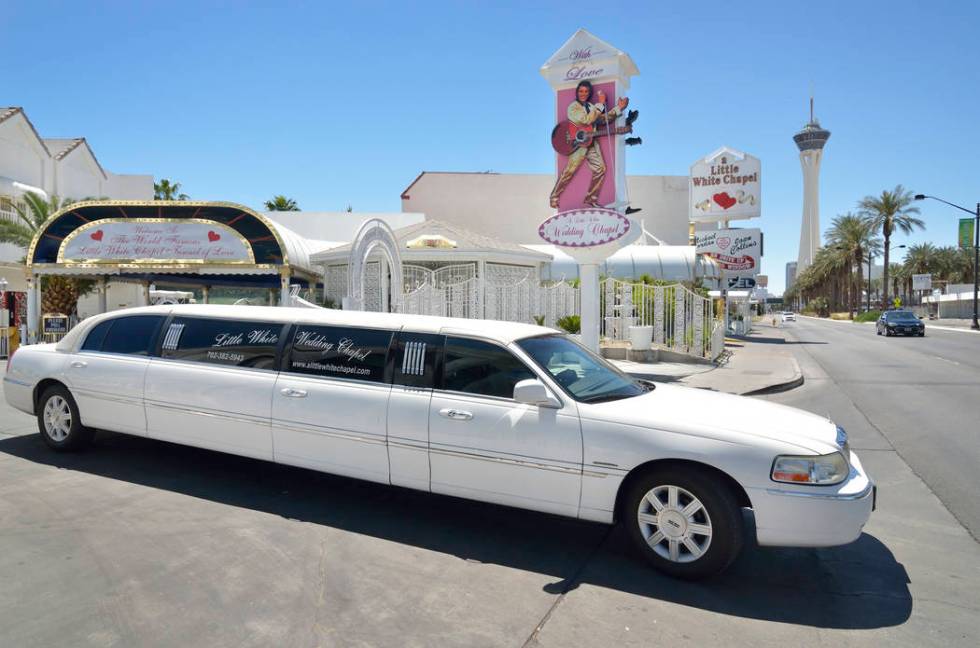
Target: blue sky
point(345, 103)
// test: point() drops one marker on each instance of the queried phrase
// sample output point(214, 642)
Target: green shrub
point(870, 316)
point(570, 323)
point(538, 319)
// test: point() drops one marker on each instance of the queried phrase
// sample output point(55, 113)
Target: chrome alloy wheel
point(674, 523)
point(57, 418)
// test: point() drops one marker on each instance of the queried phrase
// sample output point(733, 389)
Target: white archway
point(373, 234)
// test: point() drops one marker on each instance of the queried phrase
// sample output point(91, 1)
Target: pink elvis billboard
point(584, 143)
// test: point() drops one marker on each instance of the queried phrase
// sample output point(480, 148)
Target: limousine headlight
point(823, 470)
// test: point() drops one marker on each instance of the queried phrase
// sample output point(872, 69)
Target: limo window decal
point(413, 359)
point(319, 342)
point(262, 337)
point(173, 337)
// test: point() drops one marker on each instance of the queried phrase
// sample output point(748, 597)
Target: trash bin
point(641, 337)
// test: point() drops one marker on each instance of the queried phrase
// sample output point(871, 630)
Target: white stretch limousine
point(495, 411)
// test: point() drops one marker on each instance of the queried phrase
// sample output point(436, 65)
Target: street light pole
point(976, 250)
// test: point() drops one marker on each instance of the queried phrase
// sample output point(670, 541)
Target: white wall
point(22, 157)
point(128, 187)
point(77, 176)
point(511, 206)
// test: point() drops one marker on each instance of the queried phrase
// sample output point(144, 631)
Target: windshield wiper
point(602, 398)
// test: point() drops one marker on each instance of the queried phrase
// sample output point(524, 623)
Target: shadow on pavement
point(776, 340)
point(859, 586)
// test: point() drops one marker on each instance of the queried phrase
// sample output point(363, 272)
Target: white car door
point(415, 363)
point(106, 375)
point(212, 386)
point(330, 402)
point(484, 445)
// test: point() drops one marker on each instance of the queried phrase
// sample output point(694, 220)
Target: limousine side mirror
point(533, 392)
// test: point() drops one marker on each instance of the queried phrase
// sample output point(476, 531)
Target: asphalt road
point(921, 394)
point(140, 542)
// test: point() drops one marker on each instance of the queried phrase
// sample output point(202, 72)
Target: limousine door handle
point(456, 415)
point(78, 364)
point(293, 393)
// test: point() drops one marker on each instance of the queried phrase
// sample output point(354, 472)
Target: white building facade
point(510, 206)
point(63, 167)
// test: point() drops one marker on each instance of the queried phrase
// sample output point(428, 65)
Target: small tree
point(281, 203)
point(59, 294)
point(167, 190)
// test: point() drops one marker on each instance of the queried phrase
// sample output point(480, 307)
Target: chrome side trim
point(299, 427)
point(241, 418)
point(104, 396)
point(418, 445)
point(512, 462)
point(825, 496)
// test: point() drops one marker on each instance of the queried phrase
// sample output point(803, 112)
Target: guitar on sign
point(567, 137)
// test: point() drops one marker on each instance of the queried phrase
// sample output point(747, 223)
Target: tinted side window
point(340, 352)
point(482, 368)
point(417, 359)
point(93, 341)
point(134, 335)
point(233, 343)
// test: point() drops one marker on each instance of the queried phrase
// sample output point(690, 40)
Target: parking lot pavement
point(139, 542)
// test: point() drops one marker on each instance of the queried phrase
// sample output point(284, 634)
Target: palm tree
point(59, 294)
point(852, 235)
point(890, 211)
point(167, 190)
point(281, 203)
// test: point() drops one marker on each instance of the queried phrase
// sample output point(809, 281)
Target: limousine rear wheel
point(684, 521)
point(58, 420)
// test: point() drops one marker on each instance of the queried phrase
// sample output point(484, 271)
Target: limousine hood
point(716, 415)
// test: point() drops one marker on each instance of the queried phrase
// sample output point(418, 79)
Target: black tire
point(720, 510)
point(877, 330)
point(78, 436)
point(888, 333)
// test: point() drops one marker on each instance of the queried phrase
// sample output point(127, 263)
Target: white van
point(495, 411)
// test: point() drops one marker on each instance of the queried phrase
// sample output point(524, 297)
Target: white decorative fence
point(682, 320)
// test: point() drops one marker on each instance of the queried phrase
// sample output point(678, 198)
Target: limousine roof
point(497, 330)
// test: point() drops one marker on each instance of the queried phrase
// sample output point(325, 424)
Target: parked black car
point(900, 323)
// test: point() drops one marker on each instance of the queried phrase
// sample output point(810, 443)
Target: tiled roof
point(60, 147)
point(10, 111)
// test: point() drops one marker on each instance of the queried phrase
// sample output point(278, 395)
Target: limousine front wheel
point(686, 522)
point(58, 420)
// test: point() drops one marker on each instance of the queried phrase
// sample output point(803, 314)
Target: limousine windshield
point(584, 376)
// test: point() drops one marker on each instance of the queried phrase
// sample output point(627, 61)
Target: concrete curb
point(796, 381)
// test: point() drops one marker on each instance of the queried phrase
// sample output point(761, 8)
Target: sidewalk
point(754, 364)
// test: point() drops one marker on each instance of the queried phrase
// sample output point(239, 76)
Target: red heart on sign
point(724, 200)
point(213, 236)
point(96, 235)
point(724, 242)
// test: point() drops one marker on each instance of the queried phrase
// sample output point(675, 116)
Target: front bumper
point(814, 516)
